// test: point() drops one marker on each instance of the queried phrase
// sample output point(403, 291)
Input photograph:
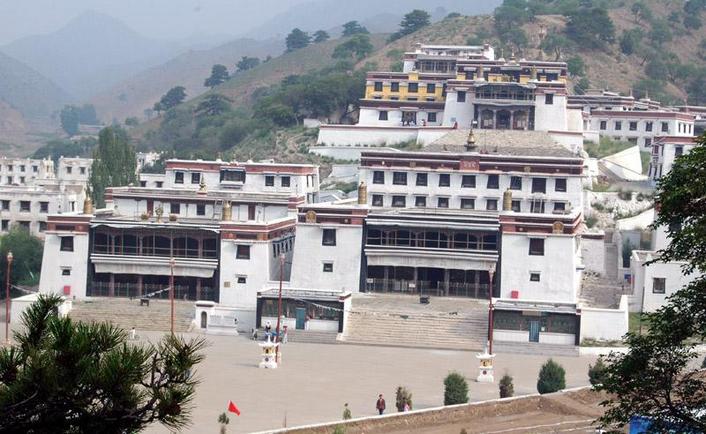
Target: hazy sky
point(164, 19)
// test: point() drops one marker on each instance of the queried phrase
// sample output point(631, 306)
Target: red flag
point(232, 408)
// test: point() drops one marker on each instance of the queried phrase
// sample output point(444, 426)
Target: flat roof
point(502, 142)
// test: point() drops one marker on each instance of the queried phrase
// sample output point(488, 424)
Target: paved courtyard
point(315, 380)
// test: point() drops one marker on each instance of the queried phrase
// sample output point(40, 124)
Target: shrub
point(455, 389)
point(597, 372)
point(506, 387)
point(551, 377)
point(404, 396)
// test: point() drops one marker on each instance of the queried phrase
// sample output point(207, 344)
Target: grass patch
point(634, 321)
point(605, 147)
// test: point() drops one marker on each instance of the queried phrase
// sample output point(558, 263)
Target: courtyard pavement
point(315, 380)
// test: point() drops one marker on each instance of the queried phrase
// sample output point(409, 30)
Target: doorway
point(301, 318)
point(534, 331)
point(204, 320)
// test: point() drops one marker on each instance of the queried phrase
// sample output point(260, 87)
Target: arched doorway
point(204, 320)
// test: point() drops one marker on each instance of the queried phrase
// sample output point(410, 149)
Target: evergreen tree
point(551, 378)
point(321, 36)
point(357, 47)
point(412, 22)
point(507, 389)
point(353, 28)
point(403, 397)
point(247, 62)
point(67, 377)
point(213, 105)
point(219, 74)
point(591, 28)
point(69, 118)
point(114, 163)
point(297, 39)
point(455, 389)
point(597, 372)
point(172, 98)
point(27, 256)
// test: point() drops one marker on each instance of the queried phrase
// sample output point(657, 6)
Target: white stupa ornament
point(485, 368)
point(269, 354)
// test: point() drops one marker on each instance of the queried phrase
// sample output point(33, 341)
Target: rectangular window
point(42, 226)
point(412, 98)
point(468, 203)
point(5, 225)
point(515, 183)
point(559, 207)
point(285, 181)
point(493, 182)
point(431, 117)
point(195, 178)
point(461, 96)
point(25, 205)
point(82, 170)
point(516, 206)
point(159, 184)
point(442, 202)
point(269, 180)
point(394, 86)
point(174, 208)
point(328, 237)
point(9, 180)
point(200, 209)
point(5, 205)
point(420, 201)
point(632, 140)
point(560, 184)
point(604, 125)
point(328, 267)
point(536, 246)
point(491, 204)
point(242, 279)
point(632, 126)
point(468, 181)
point(66, 272)
point(413, 87)
point(444, 180)
point(378, 86)
point(179, 177)
point(659, 285)
point(43, 207)
point(537, 206)
point(143, 183)
point(233, 175)
point(399, 201)
point(378, 177)
point(9, 167)
point(22, 168)
point(618, 125)
point(24, 225)
point(431, 88)
point(35, 169)
point(539, 185)
point(377, 200)
point(421, 179)
point(242, 251)
point(665, 127)
point(648, 126)
point(534, 277)
point(678, 151)
point(549, 99)
point(648, 142)
point(69, 170)
point(67, 244)
point(399, 178)
point(382, 115)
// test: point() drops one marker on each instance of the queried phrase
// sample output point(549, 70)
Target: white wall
point(605, 324)
point(54, 261)
point(255, 270)
point(643, 281)
point(458, 112)
point(361, 136)
point(557, 268)
point(593, 254)
point(550, 116)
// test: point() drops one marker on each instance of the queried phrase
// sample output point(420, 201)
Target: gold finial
point(227, 211)
point(507, 200)
point(362, 193)
point(533, 73)
point(202, 186)
point(87, 203)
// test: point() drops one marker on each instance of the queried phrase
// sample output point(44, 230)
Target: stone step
point(126, 313)
point(535, 348)
point(312, 337)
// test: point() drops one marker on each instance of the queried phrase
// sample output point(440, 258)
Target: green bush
point(506, 387)
point(597, 372)
point(455, 389)
point(551, 378)
point(404, 396)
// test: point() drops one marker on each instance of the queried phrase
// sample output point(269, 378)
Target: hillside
point(132, 96)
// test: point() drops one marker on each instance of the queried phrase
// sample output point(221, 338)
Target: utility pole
point(172, 262)
point(491, 273)
point(279, 303)
point(7, 298)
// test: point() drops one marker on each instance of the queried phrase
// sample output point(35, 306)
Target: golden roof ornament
point(87, 203)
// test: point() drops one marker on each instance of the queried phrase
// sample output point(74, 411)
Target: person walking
point(268, 328)
point(346, 412)
point(380, 405)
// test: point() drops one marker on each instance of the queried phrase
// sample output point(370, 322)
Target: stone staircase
point(311, 337)
point(534, 348)
point(405, 326)
point(126, 313)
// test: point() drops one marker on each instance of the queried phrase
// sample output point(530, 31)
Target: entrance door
point(534, 331)
point(204, 320)
point(301, 318)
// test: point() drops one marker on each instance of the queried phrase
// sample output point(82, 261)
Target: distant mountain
point(132, 96)
point(90, 53)
point(27, 91)
point(383, 16)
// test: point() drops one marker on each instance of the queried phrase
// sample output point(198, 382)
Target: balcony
point(153, 265)
point(426, 287)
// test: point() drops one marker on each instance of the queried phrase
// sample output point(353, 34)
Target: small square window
point(66, 272)
point(536, 247)
point(516, 205)
point(493, 182)
point(44, 207)
point(159, 184)
point(468, 203)
point(5, 205)
point(549, 99)
point(200, 209)
point(399, 178)
point(377, 200)
point(444, 180)
point(378, 177)
point(269, 180)
point(69, 169)
point(421, 179)
point(539, 185)
point(399, 201)
point(560, 184)
point(22, 168)
point(468, 181)
point(491, 204)
point(179, 177)
point(632, 125)
point(515, 183)
point(25, 205)
point(460, 96)
point(82, 170)
point(328, 237)
point(242, 251)
point(328, 267)
point(42, 226)
point(195, 178)
point(285, 181)
point(559, 207)
point(431, 88)
point(395, 86)
point(35, 169)
point(618, 125)
point(604, 125)
point(378, 86)
point(431, 117)
point(382, 115)
point(420, 201)
point(174, 208)
point(67, 244)
point(413, 87)
point(9, 167)
point(659, 285)
point(5, 225)
point(143, 183)
point(648, 126)
point(242, 279)
point(443, 202)
point(678, 151)
point(534, 277)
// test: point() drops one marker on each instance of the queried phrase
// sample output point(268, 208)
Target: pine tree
point(455, 389)
point(597, 372)
point(507, 389)
point(297, 39)
point(551, 378)
point(219, 74)
point(114, 163)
